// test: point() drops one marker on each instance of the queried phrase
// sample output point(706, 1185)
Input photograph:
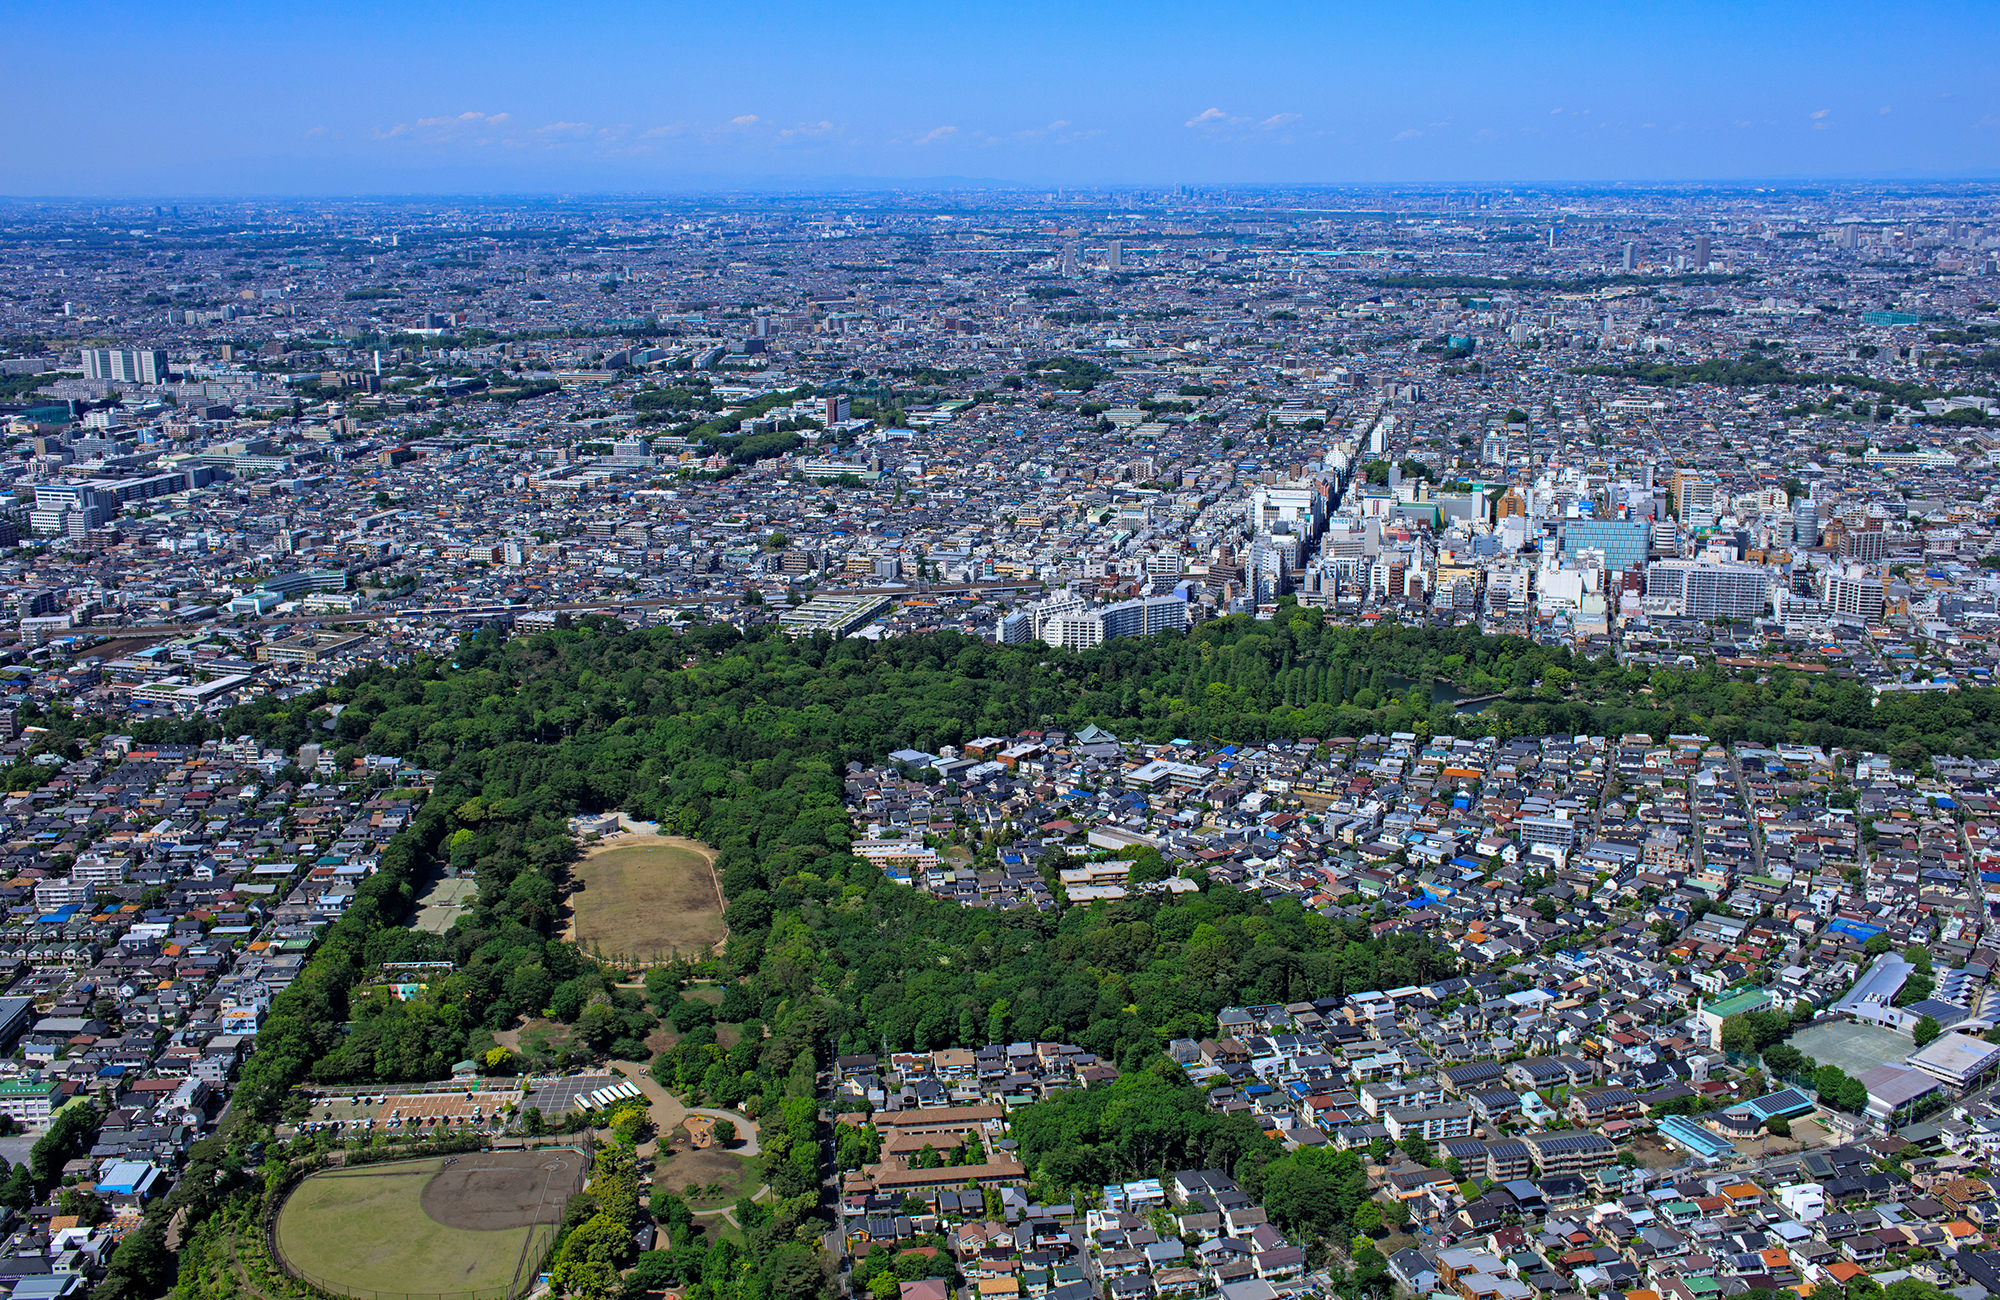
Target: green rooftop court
point(1735, 1004)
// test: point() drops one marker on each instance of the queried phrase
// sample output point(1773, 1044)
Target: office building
point(1301, 505)
point(1701, 253)
point(1630, 260)
point(1805, 522)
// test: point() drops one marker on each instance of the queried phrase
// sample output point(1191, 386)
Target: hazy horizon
point(226, 101)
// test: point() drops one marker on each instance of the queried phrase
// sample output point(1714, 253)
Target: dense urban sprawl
point(1255, 743)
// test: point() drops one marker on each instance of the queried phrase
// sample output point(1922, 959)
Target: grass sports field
point(375, 1229)
point(646, 901)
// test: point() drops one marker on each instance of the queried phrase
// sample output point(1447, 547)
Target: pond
point(1441, 693)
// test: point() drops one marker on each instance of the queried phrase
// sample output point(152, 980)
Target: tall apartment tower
point(1114, 255)
point(1852, 594)
point(1631, 259)
point(1069, 269)
point(145, 366)
point(1869, 546)
point(1701, 252)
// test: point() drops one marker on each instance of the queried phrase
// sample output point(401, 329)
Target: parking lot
point(561, 1096)
point(377, 1110)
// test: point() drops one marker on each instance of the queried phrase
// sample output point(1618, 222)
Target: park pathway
point(668, 1110)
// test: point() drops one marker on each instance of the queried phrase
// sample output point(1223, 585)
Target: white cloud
point(1277, 120)
point(937, 135)
point(746, 120)
point(1206, 115)
point(1407, 133)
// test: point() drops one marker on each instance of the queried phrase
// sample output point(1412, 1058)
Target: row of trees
point(597, 696)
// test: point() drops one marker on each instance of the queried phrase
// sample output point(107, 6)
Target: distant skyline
point(233, 99)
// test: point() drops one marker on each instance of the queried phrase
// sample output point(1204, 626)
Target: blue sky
point(210, 98)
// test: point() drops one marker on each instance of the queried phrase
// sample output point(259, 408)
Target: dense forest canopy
point(606, 717)
point(742, 743)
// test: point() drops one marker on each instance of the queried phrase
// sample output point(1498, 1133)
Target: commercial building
point(836, 614)
point(1623, 541)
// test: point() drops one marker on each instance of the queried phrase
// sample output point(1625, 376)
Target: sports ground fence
point(528, 1265)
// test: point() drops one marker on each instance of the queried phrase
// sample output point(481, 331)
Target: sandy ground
point(644, 835)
